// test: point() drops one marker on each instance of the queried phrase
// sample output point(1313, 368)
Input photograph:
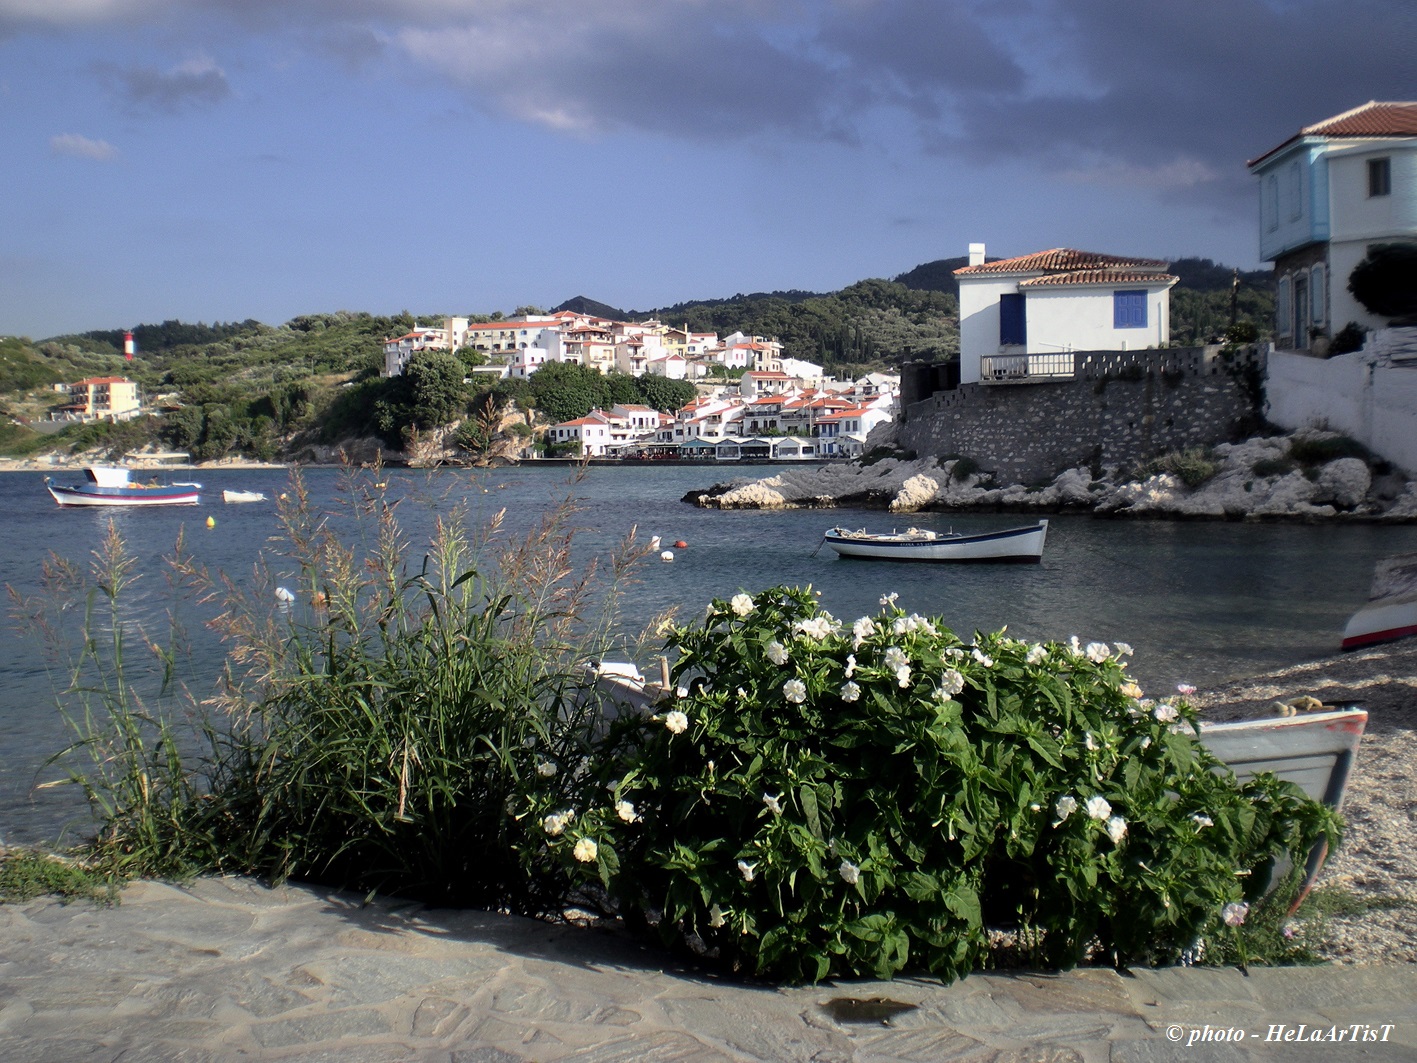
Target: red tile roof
point(1098, 276)
point(1061, 259)
point(1372, 119)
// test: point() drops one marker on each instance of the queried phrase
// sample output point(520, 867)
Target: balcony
point(1025, 368)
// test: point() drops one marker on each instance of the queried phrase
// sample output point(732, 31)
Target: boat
point(242, 496)
point(1391, 611)
point(917, 544)
point(109, 485)
point(1315, 751)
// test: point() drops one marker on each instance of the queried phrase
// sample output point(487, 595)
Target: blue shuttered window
point(1012, 328)
point(1129, 309)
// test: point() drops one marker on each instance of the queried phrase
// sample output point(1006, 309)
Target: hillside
point(258, 389)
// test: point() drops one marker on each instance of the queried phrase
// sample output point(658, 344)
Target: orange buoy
point(680, 544)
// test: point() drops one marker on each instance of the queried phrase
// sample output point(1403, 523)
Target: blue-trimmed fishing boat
point(916, 544)
point(108, 485)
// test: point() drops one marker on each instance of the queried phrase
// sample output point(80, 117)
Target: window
point(1013, 329)
point(1129, 309)
point(1281, 307)
point(1318, 296)
point(1379, 177)
point(1271, 203)
point(1295, 193)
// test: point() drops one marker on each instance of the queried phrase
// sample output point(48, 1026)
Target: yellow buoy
point(211, 522)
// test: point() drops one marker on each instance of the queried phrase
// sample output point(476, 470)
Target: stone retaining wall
point(1120, 406)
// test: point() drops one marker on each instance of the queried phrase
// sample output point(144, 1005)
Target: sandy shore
point(1378, 859)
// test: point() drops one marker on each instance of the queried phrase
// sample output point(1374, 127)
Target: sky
point(218, 160)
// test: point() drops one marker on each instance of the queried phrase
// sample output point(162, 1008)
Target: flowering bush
point(833, 799)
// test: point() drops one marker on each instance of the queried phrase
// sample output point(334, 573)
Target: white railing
point(1021, 368)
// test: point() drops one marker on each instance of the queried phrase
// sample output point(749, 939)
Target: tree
point(1385, 282)
point(564, 391)
point(439, 394)
point(665, 394)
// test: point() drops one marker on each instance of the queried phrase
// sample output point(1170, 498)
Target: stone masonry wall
point(1120, 406)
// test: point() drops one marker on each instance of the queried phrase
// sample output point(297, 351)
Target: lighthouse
point(128, 346)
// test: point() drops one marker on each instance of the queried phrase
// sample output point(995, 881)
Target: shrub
point(1348, 339)
point(1192, 466)
point(1320, 450)
point(1385, 282)
point(832, 801)
point(1273, 466)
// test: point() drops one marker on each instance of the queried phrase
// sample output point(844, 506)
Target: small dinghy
point(915, 544)
point(242, 496)
point(109, 485)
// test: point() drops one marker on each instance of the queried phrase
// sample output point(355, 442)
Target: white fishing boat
point(242, 496)
point(918, 544)
point(109, 485)
point(1391, 611)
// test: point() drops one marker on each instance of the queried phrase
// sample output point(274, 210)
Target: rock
point(1343, 482)
point(916, 493)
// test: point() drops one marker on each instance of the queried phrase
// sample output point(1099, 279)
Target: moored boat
point(109, 485)
point(1391, 611)
point(242, 496)
point(916, 544)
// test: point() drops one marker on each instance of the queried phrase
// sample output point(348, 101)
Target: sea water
point(1199, 601)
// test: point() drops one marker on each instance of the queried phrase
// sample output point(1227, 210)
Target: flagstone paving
point(225, 969)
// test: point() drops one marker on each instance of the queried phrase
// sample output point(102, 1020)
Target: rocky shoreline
point(1259, 479)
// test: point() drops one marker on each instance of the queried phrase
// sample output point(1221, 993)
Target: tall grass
point(385, 726)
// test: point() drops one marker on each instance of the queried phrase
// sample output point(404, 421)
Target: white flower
point(741, 604)
point(795, 691)
point(626, 811)
point(774, 803)
point(1202, 820)
point(715, 916)
point(954, 653)
point(676, 722)
point(1131, 690)
point(746, 870)
point(1146, 742)
point(1124, 649)
point(777, 653)
point(817, 628)
point(1064, 807)
point(982, 657)
point(861, 631)
point(555, 824)
point(1234, 913)
point(1166, 713)
point(850, 691)
point(1089, 742)
point(849, 872)
point(903, 624)
point(1097, 652)
point(896, 658)
point(546, 768)
point(951, 683)
point(585, 850)
point(1185, 689)
point(1116, 829)
point(1036, 653)
point(1097, 807)
point(850, 665)
point(1074, 646)
point(889, 599)
point(902, 676)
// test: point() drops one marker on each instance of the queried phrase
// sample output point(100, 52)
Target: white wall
point(979, 322)
point(1354, 394)
point(1080, 319)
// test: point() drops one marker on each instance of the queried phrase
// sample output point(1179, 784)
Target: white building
point(1327, 194)
point(1023, 317)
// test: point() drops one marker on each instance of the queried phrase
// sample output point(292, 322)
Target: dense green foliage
point(1385, 282)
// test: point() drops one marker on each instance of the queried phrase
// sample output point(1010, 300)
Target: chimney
point(976, 254)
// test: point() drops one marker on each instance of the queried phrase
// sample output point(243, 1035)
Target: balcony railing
point(1025, 368)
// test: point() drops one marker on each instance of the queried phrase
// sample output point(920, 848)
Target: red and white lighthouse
point(128, 346)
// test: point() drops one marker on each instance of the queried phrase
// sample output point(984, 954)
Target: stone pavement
point(224, 969)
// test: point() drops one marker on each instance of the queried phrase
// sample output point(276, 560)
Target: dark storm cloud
point(197, 82)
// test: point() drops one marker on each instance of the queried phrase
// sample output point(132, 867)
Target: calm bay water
point(1200, 602)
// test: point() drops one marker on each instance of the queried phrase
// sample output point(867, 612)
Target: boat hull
point(1381, 622)
point(1024, 545)
point(242, 496)
point(89, 496)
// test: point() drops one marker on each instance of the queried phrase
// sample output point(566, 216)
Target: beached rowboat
point(916, 544)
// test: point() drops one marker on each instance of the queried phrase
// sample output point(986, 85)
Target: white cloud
point(81, 147)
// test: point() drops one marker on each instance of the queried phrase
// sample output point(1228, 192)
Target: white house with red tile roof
point(593, 433)
point(760, 382)
point(1327, 194)
point(1021, 318)
point(101, 398)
